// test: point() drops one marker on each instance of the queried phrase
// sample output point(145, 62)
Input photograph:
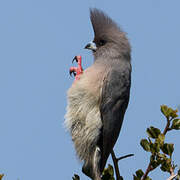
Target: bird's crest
point(102, 23)
point(106, 30)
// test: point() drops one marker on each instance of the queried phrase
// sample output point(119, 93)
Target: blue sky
point(38, 39)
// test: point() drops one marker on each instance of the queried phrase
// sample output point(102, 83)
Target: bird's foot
point(77, 71)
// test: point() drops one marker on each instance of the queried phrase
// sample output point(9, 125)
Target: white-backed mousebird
point(98, 98)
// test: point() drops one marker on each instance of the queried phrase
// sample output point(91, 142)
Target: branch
point(167, 127)
point(123, 157)
point(172, 174)
point(116, 166)
point(172, 177)
point(149, 168)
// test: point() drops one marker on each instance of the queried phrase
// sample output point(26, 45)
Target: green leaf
point(145, 144)
point(171, 149)
point(108, 173)
point(148, 178)
point(162, 156)
point(178, 172)
point(155, 164)
point(166, 165)
point(139, 173)
point(154, 148)
point(153, 132)
point(168, 149)
point(76, 177)
point(136, 178)
point(164, 110)
point(160, 139)
point(152, 158)
point(1, 176)
point(110, 170)
point(173, 113)
point(176, 124)
point(169, 112)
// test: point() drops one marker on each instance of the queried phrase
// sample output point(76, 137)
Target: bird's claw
point(76, 71)
point(75, 59)
point(72, 71)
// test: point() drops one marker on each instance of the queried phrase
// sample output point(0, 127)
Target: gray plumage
point(98, 100)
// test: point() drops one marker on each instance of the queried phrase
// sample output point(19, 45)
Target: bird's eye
point(102, 42)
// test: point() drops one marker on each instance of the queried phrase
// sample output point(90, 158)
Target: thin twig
point(123, 157)
point(167, 127)
point(116, 167)
point(172, 177)
point(172, 174)
point(149, 168)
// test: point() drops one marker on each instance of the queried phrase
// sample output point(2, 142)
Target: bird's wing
point(114, 101)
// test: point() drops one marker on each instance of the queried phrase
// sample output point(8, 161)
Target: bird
point(98, 98)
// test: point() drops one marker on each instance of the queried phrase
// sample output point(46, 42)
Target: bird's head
point(109, 40)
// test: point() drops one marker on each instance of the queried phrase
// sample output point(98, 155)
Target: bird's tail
point(92, 167)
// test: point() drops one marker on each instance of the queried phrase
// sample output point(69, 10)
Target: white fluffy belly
point(83, 118)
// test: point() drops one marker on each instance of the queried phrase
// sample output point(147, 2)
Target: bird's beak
point(91, 46)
